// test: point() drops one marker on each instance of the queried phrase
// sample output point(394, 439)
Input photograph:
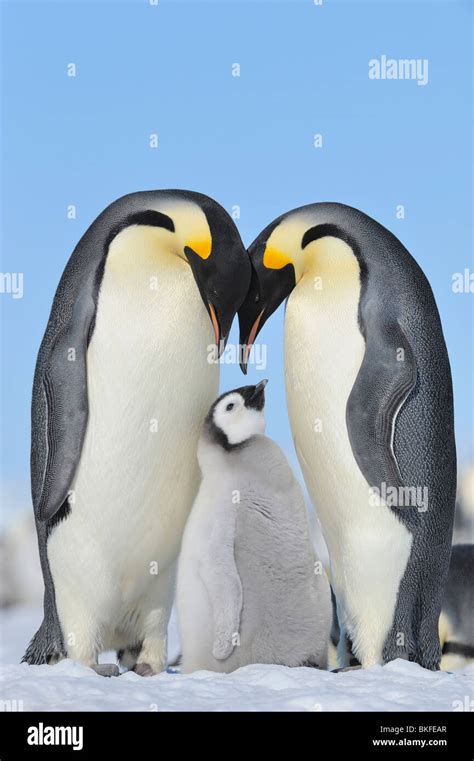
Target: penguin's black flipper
point(60, 404)
point(386, 377)
point(60, 407)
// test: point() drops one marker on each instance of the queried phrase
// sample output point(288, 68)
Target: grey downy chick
point(250, 587)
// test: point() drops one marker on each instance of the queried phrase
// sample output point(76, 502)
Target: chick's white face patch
point(237, 421)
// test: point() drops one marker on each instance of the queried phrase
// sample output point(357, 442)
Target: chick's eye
point(230, 407)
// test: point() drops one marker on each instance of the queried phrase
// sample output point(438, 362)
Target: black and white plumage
point(121, 387)
point(370, 403)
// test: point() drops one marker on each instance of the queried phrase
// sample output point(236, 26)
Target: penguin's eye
point(230, 406)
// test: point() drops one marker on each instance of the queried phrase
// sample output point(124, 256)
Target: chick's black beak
point(255, 395)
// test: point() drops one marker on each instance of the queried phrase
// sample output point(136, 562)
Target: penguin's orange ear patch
point(274, 259)
point(201, 246)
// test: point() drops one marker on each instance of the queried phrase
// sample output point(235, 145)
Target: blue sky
point(246, 141)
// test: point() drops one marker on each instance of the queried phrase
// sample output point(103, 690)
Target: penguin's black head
point(236, 416)
point(196, 229)
point(220, 265)
point(283, 253)
point(273, 279)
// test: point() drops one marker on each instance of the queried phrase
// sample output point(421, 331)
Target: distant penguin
point(456, 624)
point(370, 403)
point(464, 516)
point(340, 650)
point(121, 388)
point(250, 588)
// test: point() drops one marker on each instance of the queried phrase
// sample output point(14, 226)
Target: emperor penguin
point(250, 587)
point(370, 404)
point(456, 624)
point(121, 388)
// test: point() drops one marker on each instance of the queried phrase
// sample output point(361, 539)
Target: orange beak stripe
point(252, 335)
point(215, 324)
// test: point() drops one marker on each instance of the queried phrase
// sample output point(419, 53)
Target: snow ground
point(68, 686)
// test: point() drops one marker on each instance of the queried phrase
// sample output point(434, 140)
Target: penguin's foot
point(106, 669)
point(345, 668)
point(143, 669)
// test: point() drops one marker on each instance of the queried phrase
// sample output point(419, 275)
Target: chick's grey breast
point(281, 613)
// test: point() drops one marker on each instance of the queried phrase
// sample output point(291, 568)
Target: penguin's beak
point(215, 325)
point(222, 280)
point(248, 342)
point(251, 319)
point(255, 395)
point(267, 290)
point(220, 335)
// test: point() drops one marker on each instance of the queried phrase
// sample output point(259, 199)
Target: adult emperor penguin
point(250, 587)
point(121, 388)
point(456, 623)
point(370, 404)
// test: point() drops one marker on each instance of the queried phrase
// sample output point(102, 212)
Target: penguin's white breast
point(149, 388)
point(323, 353)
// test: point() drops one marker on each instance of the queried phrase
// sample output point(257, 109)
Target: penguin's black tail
point(45, 647)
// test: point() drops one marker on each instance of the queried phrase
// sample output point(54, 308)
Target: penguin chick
point(250, 587)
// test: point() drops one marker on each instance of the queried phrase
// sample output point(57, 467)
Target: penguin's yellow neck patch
point(141, 248)
point(327, 257)
point(191, 225)
point(333, 262)
point(137, 251)
point(284, 244)
point(201, 246)
point(274, 259)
